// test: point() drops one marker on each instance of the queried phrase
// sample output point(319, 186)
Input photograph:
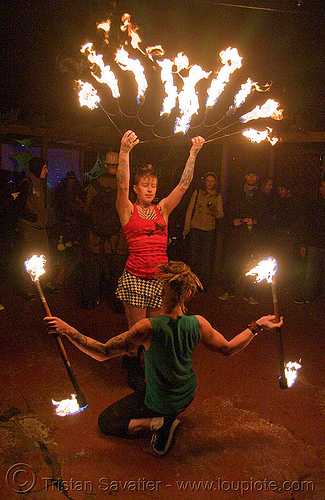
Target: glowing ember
point(259, 135)
point(268, 109)
point(188, 99)
point(127, 64)
point(35, 266)
point(67, 406)
point(264, 270)
point(231, 61)
point(88, 95)
point(291, 374)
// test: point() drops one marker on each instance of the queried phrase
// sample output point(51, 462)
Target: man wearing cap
point(105, 257)
point(244, 210)
point(204, 208)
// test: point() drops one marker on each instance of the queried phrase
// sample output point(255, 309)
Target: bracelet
point(254, 327)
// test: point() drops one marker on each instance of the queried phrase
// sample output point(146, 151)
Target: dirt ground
point(242, 437)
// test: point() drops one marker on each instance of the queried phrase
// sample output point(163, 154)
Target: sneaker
point(302, 301)
point(226, 296)
point(251, 300)
point(162, 438)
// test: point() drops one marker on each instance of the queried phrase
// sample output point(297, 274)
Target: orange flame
point(88, 95)
point(67, 406)
point(127, 64)
point(259, 135)
point(231, 61)
point(268, 109)
point(291, 372)
point(35, 266)
point(107, 75)
point(264, 270)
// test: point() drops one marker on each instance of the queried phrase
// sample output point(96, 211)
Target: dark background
point(280, 41)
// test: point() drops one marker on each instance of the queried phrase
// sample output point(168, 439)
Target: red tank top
point(147, 242)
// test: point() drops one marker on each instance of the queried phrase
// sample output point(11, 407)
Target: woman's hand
point(128, 141)
point(56, 325)
point(197, 143)
point(269, 323)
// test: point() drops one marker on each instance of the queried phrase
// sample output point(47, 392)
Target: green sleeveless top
point(171, 382)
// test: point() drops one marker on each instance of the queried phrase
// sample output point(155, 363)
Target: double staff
point(266, 270)
point(35, 268)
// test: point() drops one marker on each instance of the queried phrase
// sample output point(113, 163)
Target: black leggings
point(114, 421)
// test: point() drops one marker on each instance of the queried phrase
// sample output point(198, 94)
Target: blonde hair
point(179, 282)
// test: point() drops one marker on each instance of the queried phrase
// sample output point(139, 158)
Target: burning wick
point(266, 270)
point(35, 268)
point(291, 374)
point(67, 406)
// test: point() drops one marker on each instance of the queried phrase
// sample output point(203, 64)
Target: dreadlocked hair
point(179, 282)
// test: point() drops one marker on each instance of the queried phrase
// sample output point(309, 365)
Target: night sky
point(280, 42)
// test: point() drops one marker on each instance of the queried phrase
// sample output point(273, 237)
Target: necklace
point(146, 211)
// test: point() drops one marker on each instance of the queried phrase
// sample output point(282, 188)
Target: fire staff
point(169, 341)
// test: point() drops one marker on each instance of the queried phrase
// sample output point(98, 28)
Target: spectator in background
point(268, 217)
point(32, 224)
point(312, 248)
point(68, 229)
point(287, 216)
point(204, 208)
point(104, 254)
point(242, 238)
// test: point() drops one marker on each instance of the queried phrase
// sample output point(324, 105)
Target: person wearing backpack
point(145, 226)
point(105, 248)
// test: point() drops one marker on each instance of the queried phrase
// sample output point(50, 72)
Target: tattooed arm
point(123, 204)
point(139, 334)
point(168, 204)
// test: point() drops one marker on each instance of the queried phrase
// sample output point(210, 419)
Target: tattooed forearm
point(188, 171)
point(122, 173)
point(88, 345)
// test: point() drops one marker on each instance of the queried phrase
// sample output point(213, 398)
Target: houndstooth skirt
point(139, 292)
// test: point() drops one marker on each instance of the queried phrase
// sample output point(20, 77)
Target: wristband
point(254, 327)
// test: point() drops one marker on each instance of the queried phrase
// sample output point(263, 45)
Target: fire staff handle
point(81, 399)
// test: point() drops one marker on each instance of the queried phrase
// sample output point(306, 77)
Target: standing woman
point(204, 208)
point(146, 229)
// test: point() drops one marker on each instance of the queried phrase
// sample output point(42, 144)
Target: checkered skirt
point(139, 292)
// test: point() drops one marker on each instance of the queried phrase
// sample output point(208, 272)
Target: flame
point(231, 61)
point(171, 90)
point(35, 266)
point(156, 50)
point(245, 89)
point(132, 31)
point(188, 99)
point(105, 26)
point(264, 270)
point(88, 95)
point(107, 75)
point(259, 135)
point(268, 109)
point(127, 64)
point(67, 406)
point(291, 372)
